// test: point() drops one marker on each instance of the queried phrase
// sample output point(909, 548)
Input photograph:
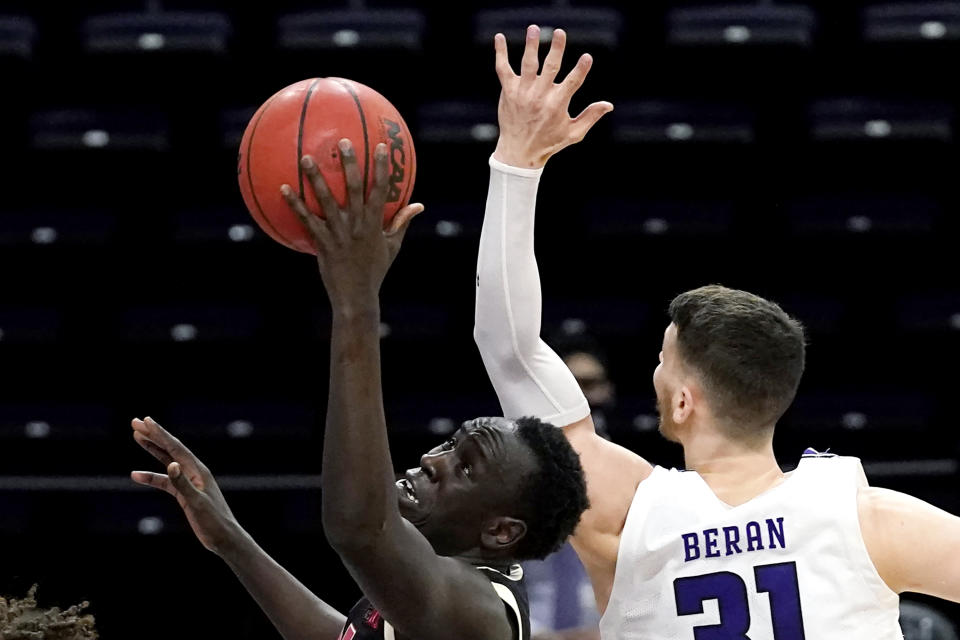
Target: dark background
point(813, 163)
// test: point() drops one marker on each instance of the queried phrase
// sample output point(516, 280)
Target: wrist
point(532, 175)
point(514, 157)
point(357, 310)
point(236, 546)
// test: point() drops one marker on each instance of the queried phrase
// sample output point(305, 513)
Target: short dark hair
point(553, 498)
point(20, 619)
point(748, 351)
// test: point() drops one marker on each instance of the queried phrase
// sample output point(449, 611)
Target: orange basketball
point(309, 118)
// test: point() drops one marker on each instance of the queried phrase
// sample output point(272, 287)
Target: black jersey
point(364, 622)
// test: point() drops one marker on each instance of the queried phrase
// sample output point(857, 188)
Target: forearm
point(358, 491)
point(529, 378)
point(295, 612)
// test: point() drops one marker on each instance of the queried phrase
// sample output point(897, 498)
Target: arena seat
point(932, 313)
point(682, 122)
point(742, 24)
point(389, 29)
point(157, 32)
point(457, 122)
point(585, 26)
point(251, 420)
point(28, 325)
point(863, 119)
point(190, 323)
point(99, 129)
point(17, 35)
point(645, 216)
point(912, 21)
point(860, 215)
point(47, 227)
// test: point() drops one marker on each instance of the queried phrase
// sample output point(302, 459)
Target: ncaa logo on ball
point(397, 159)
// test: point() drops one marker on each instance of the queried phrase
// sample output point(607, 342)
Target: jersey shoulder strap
point(509, 586)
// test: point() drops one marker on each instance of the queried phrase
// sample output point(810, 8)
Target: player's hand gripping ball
point(309, 118)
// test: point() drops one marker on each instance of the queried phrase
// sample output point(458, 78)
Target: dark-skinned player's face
point(465, 482)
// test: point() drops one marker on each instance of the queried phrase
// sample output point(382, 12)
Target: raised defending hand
point(534, 110)
point(191, 483)
point(354, 251)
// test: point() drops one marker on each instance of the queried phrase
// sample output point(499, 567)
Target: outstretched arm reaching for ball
point(292, 608)
point(529, 378)
point(420, 593)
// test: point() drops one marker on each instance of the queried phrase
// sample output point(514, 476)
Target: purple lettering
point(691, 546)
point(710, 542)
point(754, 543)
point(775, 530)
point(732, 537)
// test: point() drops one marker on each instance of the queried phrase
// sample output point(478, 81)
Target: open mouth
point(407, 490)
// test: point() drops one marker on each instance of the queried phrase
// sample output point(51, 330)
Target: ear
point(502, 533)
point(683, 404)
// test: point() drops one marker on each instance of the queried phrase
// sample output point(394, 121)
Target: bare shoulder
point(886, 514)
point(878, 510)
point(612, 472)
point(872, 503)
point(592, 447)
point(914, 545)
point(875, 501)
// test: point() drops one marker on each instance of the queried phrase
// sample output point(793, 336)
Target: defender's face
point(666, 379)
point(459, 485)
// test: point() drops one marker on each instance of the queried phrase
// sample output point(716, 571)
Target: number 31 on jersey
point(779, 581)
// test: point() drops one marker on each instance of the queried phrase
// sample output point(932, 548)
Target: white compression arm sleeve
point(529, 377)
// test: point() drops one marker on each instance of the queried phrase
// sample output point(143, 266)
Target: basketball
point(309, 118)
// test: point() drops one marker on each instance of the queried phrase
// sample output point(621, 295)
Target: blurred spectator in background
point(587, 361)
point(22, 620)
point(561, 598)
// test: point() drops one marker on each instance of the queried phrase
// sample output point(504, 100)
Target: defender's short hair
point(749, 353)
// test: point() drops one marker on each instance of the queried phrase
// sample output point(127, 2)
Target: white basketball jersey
point(789, 564)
